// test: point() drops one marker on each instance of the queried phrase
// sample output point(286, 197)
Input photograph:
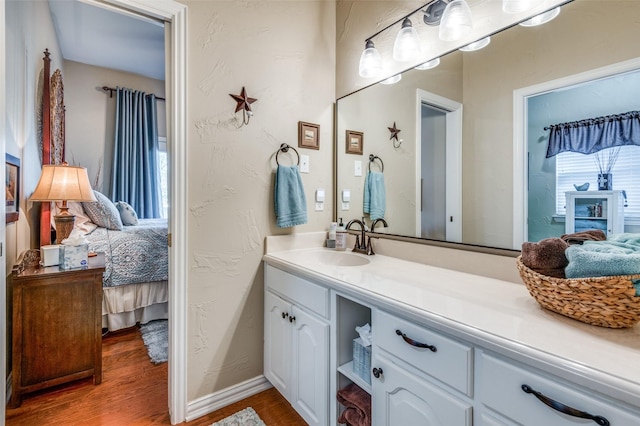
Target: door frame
point(453, 159)
point(520, 139)
point(174, 15)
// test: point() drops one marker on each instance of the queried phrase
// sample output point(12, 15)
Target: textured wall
point(90, 115)
point(283, 52)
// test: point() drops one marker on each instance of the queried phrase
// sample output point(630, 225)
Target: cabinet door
point(309, 387)
point(277, 342)
point(401, 398)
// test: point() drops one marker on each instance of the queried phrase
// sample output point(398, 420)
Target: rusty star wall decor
point(394, 132)
point(244, 104)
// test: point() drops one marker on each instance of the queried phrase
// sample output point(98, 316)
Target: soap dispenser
point(341, 237)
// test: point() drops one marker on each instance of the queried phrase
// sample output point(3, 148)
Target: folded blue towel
point(602, 258)
point(289, 199)
point(375, 198)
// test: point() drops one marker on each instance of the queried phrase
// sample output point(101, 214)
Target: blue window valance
point(594, 134)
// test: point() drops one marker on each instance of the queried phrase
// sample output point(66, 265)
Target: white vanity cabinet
point(603, 210)
point(296, 342)
point(524, 396)
point(417, 373)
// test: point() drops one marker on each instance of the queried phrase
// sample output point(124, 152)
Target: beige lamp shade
point(63, 183)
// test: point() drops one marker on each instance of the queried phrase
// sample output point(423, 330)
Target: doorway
point(438, 167)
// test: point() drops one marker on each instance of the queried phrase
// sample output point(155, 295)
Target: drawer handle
point(377, 372)
point(415, 342)
point(558, 406)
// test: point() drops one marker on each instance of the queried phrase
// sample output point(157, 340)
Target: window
point(162, 166)
point(573, 168)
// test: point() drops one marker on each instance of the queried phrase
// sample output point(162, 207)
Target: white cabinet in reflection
point(587, 210)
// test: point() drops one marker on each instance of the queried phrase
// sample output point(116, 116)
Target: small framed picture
point(354, 141)
point(308, 135)
point(12, 187)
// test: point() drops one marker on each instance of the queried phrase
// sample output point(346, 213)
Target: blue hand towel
point(289, 199)
point(602, 258)
point(375, 198)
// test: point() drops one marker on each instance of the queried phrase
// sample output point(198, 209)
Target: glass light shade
point(428, 65)
point(543, 18)
point(63, 183)
point(476, 45)
point(456, 21)
point(407, 44)
point(393, 79)
point(370, 61)
point(517, 6)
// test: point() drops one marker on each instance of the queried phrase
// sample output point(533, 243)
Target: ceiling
point(99, 36)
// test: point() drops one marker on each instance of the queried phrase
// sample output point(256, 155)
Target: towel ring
point(372, 158)
point(285, 148)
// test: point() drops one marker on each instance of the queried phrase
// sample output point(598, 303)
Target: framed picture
point(354, 142)
point(308, 135)
point(12, 187)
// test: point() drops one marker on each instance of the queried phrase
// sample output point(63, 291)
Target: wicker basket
point(603, 301)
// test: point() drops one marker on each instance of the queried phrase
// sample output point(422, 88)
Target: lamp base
point(64, 226)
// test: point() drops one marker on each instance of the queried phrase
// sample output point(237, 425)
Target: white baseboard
point(212, 402)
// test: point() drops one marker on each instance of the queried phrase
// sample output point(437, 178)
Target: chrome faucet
point(361, 242)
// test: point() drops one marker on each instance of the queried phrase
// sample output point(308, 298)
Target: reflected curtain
point(594, 134)
point(135, 177)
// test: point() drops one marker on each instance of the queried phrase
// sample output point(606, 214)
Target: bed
point(135, 280)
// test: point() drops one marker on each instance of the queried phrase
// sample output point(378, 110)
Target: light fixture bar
point(401, 19)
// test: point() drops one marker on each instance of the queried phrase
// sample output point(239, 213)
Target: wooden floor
point(133, 392)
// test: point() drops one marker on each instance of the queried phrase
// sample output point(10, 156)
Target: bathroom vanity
point(449, 348)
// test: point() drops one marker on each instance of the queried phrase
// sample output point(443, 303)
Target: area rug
point(155, 335)
point(246, 417)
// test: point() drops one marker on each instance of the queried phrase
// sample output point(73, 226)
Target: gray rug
point(155, 335)
point(246, 417)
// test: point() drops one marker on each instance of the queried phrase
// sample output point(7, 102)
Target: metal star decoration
point(394, 131)
point(244, 102)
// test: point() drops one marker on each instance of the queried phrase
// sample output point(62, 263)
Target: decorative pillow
point(103, 212)
point(127, 213)
point(83, 223)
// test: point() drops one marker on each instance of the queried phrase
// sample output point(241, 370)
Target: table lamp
point(61, 182)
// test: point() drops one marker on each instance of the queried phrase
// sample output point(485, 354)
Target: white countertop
point(493, 313)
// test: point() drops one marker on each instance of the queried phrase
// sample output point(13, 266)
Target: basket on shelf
point(603, 301)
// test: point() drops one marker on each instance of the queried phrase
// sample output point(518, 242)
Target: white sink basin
point(337, 258)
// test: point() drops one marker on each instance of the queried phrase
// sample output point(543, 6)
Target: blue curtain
point(594, 134)
point(135, 177)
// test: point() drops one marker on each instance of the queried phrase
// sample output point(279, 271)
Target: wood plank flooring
point(133, 392)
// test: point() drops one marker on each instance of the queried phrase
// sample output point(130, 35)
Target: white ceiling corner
point(102, 37)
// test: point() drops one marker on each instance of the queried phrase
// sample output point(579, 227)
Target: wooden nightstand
point(57, 327)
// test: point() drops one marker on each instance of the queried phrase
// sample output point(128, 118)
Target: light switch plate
point(304, 164)
point(357, 168)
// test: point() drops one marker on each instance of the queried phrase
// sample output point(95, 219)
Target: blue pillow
point(103, 212)
point(127, 213)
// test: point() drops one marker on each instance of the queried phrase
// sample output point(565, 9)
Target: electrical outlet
point(304, 164)
point(319, 207)
point(345, 206)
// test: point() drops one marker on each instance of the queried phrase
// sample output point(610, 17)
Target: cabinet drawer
point(451, 362)
point(299, 290)
point(500, 388)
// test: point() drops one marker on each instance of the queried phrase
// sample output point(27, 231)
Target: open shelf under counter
point(347, 371)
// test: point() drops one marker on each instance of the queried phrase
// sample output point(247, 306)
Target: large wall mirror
point(454, 172)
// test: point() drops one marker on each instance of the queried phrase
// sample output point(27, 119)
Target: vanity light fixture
point(407, 44)
point(370, 61)
point(456, 21)
point(517, 6)
point(476, 45)
point(429, 64)
point(393, 79)
point(543, 18)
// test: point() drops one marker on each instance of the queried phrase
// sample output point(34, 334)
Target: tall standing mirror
point(464, 167)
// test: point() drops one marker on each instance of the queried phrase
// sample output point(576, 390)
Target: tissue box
point(362, 360)
point(74, 257)
point(50, 255)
